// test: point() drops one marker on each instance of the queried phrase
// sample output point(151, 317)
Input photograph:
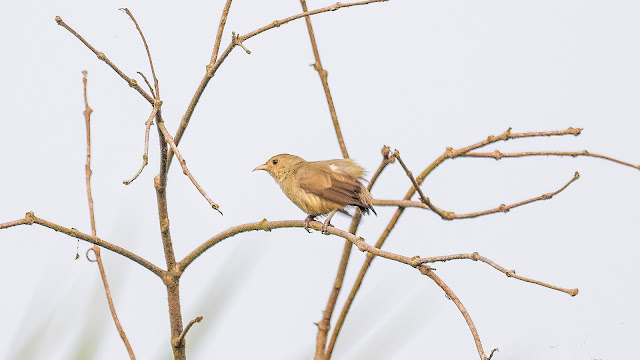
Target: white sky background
point(418, 76)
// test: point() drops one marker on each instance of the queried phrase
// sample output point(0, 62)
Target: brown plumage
point(319, 187)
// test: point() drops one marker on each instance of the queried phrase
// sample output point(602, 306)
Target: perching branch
point(96, 249)
point(325, 323)
point(31, 219)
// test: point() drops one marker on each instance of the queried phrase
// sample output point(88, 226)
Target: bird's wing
point(330, 185)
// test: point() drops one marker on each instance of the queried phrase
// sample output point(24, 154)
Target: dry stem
point(31, 219)
point(509, 273)
point(132, 83)
point(96, 249)
point(183, 164)
point(212, 67)
point(325, 83)
point(325, 324)
point(145, 156)
point(146, 47)
point(496, 154)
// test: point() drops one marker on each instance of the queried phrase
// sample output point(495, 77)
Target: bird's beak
point(261, 167)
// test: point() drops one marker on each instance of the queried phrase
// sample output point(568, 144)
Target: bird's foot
point(307, 221)
point(327, 222)
point(325, 225)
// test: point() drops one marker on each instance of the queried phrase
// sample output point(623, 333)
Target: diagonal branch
point(146, 47)
point(31, 219)
point(325, 83)
point(132, 83)
point(426, 270)
point(145, 156)
point(96, 249)
point(212, 67)
point(183, 164)
point(223, 22)
point(325, 324)
point(509, 273)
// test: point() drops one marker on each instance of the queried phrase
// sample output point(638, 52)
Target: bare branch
point(449, 153)
point(183, 164)
point(145, 156)
point(30, 219)
point(96, 249)
point(509, 273)
point(180, 341)
point(146, 47)
point(325, 324)
point(325, 83)
point(426, 270)
point(223, 22)
point(499, 155)
point(213, 67)
point(132, 83)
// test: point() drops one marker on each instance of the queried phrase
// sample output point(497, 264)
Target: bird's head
point(280, 166)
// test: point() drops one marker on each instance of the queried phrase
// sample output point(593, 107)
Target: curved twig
point(31, 219)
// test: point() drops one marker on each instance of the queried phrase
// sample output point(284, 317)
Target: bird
point(320, 187)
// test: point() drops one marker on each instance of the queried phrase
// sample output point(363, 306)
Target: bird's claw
point(325, 225)
point(307, 221)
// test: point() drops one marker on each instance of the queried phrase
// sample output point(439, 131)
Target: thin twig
point(146, 47)
point(180, 341)
point(496, 154)
point(132, 82)
point(31, 219)
point(96, 249)
point(146, 81)
point(426, 270)
point(449, 153)
point(145, 156)
point(325, 324)
point(423, 198)
point(509, 273)
point(212, 68)
point(223, 22)
point(325, 83)
point(183, 164)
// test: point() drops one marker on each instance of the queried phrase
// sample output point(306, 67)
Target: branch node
point(237, 40)
point(510, 273)
point(503, 208)
point(133, 83)
point(263, 225)
point(101, 55)
point(30, 217)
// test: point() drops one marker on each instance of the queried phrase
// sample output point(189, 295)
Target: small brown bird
point(319, 187)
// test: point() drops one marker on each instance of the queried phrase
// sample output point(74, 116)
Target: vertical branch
point(96, 249)
point(325, 324)
point(172, 276)
point(325, 84)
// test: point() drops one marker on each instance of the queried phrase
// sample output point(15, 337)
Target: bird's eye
point(275, 161)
